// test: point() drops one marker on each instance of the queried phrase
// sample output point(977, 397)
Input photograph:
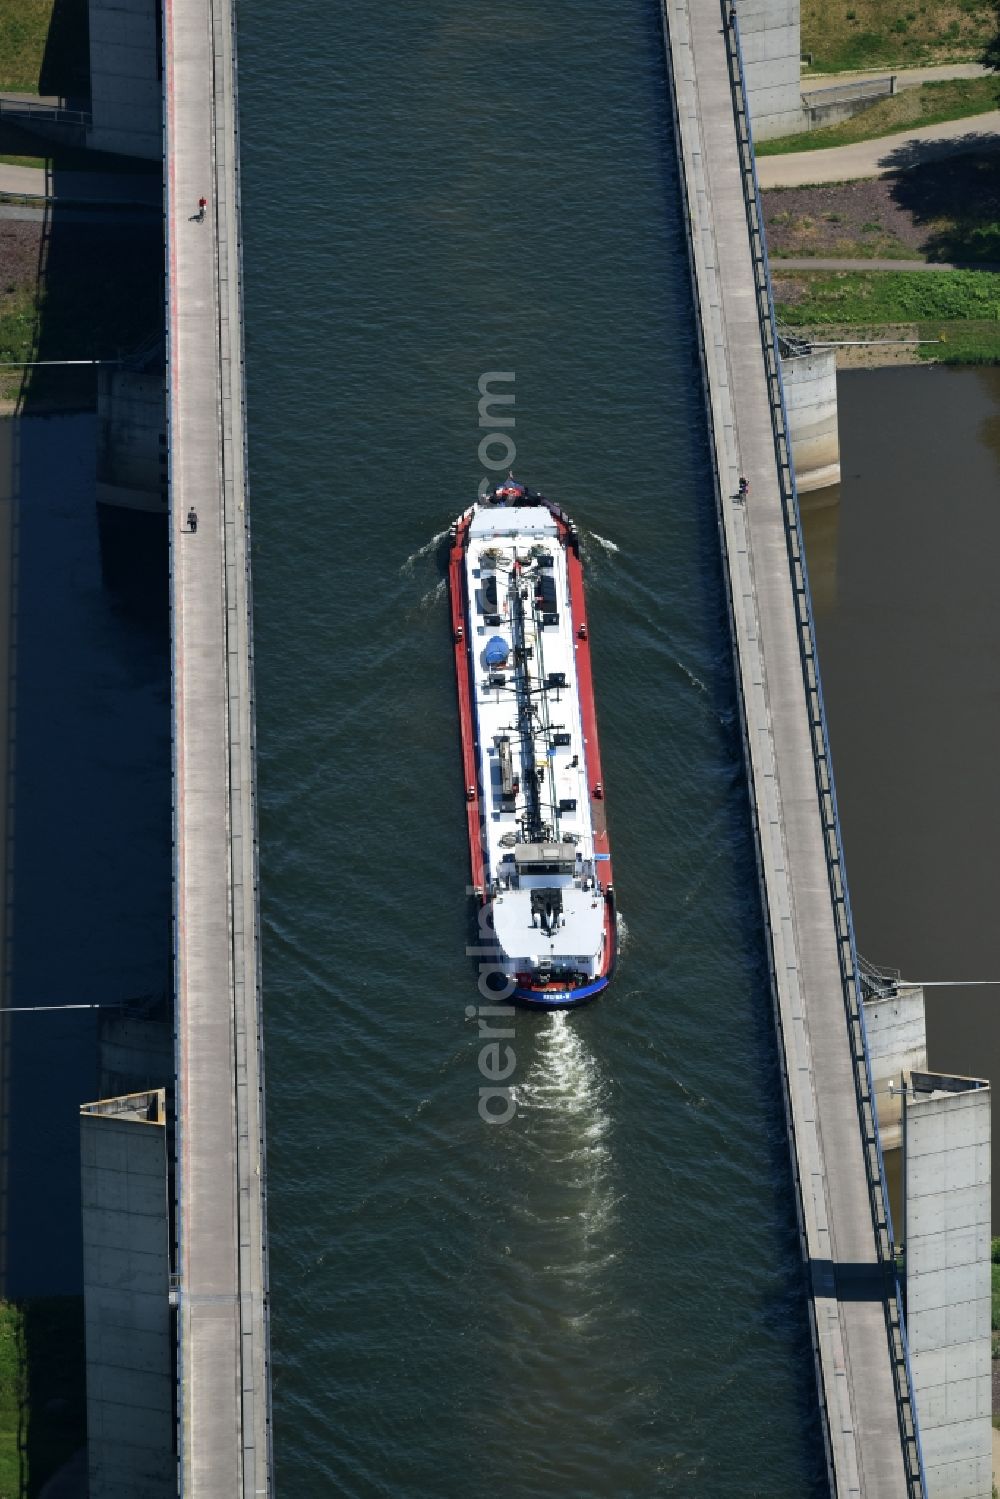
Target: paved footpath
point(890, 153)
point(831, 263)
point(223, 1373)
point(845, 1298)
point(905, 77)
point(81, 187)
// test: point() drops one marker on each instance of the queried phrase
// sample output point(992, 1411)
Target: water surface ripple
point(602, 1298)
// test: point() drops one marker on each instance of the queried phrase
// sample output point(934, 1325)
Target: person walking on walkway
point(744, 486)
point(199, 217)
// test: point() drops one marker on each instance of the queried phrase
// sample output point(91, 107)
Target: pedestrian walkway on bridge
point(223, 1369)
point(872, 1444)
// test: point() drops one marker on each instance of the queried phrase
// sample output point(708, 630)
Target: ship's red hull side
point(470, 768)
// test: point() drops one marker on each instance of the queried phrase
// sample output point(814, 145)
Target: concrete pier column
point(946, 1164)
point(126, 1273)
point(131, 439)
point(771, 41)
point(810, 380)
point(897, 1045)
point(136, 1051)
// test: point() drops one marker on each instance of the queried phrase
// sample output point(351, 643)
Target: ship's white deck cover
point(576, 943)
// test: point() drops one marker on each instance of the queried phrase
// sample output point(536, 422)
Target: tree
point(991, 52)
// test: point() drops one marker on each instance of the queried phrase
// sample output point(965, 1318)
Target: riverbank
point(954, 314)
point(939, 212)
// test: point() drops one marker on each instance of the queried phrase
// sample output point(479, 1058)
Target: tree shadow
point(957, 202)
point(918, 153)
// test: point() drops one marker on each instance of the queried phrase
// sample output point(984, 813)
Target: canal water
point(603, 1297)
point(903, 558)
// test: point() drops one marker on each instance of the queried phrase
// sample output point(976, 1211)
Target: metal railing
point(847, 93)
point(876, 982)
point(30, 112)
point(833, 844)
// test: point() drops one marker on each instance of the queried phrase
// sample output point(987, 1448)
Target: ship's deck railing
point(846, 946)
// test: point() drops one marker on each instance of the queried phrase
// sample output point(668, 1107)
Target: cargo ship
point(534, 788)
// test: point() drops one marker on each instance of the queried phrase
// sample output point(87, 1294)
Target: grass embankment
point(13, 1397)
point(43, 1408)
point(44, 47)
point(18, 332)
point(912, 108)
point(842, 35)
point(960, 308)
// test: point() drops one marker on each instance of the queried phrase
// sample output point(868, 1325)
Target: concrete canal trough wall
point(125, 77)
point(946, 1155)
point(126, 1274)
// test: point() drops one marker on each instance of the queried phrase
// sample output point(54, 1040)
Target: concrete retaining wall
point(826, 106)
point(946, 1145)
point(125, 74)
point(811, 400)
point(769, 35)
point(126, 1273)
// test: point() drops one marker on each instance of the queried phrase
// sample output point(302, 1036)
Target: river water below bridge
point(903, 563)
